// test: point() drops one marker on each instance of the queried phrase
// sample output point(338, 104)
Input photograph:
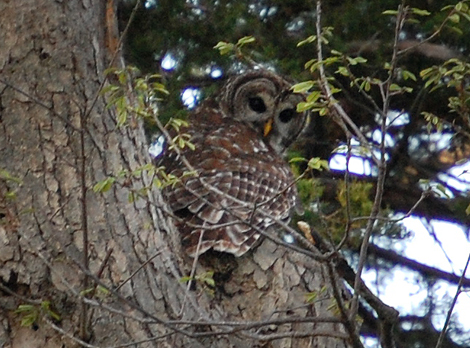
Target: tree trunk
point(58, 139)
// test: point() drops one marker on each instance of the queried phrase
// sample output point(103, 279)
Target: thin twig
point(69, 335)
point(41, 103)
point(349, 323)
point(84, 332)
point(426, 193)
point(20, 297)
point(99, 274)
point(297, 334)
point(137, 270)
point(382, 167)
point(348, 198)
point(454, 301)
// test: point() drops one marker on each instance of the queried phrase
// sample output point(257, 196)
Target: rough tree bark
point(57, 138)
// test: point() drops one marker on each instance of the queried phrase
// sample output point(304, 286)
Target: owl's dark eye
point(286, 115)
point(257, 104)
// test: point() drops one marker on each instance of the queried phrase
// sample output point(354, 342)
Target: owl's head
point(265, 101)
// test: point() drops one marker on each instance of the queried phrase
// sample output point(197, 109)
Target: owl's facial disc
point(267, 104)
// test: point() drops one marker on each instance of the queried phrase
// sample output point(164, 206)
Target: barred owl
point(243, 185)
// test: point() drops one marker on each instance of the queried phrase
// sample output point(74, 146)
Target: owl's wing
point(225, 209)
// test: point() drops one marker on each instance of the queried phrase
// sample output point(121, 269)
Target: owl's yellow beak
point(267, 127)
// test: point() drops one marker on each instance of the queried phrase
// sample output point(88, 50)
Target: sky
point(447, 250)
point(435, 243)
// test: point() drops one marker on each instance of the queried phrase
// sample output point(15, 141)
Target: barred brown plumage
point(243, 183)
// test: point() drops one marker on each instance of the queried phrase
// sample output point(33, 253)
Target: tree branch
point(426, 271)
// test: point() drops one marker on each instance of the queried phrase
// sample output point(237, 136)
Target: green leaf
point(160, 87)
point(297, 159)
point(467, 211)
point(336, 53)
point(190, 145)
point(101, 289)
point(448, 7)
point(157, 183)
point(210, 282)
point(343, 71)
point(466, 16)
point(304, 106)
point(207, 277)
point(104, 185)
point(424, 182)
point(331, 60)
point(311, 296)
point(24, 308)
point(303, 87)
point(122, 77)
point(318, 164)
point(185, 279)
point(190, 173)
point(122, 111)
point(390, 12)
point(308, 40)
point(46, 306)
point(310, 63)
point(441, 188)
point(109, 71)
point(86, 292)
point(455, 18)
point(109, 89)
point(420, 12)
point(177, 123)
point(365, 85)
point(356, 60)
point(412, 21)
point(5, 175)
point(10, 195)
point(131, 197)
point(29, 320)
point(314, 96)
point(224, 47)
point(456, 30)
point(408, 75)
point(181, 142)
point(245, 40)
